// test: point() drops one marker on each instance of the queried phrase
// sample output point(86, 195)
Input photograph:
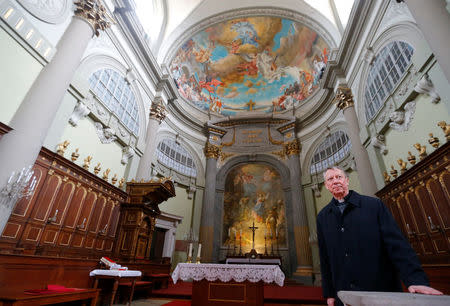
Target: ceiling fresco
point(249, 64)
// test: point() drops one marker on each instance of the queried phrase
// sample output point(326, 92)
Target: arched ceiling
point(248, 64)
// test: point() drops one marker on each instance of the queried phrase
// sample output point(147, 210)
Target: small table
point(116, 275)
point(229, 284)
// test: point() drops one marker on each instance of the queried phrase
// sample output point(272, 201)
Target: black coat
point(363, 249)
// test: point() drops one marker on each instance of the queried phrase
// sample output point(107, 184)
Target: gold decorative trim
point(287, 127)
point(273, 141)
point(224, 155)
point(344, 98)
point(293, 147)
point(212, 151)
point(211, 129)
point(281, 154)
point(227, 144)
point(95, 14)
point(229, 123)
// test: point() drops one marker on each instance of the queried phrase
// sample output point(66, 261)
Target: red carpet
point(178, 303)
point(272, 293)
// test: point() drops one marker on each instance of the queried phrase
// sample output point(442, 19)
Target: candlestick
point(199, 252)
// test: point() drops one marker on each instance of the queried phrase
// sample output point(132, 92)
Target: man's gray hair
point(334, 168)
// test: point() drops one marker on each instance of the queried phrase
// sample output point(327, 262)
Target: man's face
point(337, 183)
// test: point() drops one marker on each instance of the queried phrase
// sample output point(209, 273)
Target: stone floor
point(147, 302)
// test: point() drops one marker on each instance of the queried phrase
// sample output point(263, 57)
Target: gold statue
point(446, 128)
point(422, 150)
point(97, 169)
point(61, 148)
point(394, 172)
point(433, 141)
point(133, 181)
point(387, 178)
point(106, 173)
point(75, 155)
point(402, 165)
point(121, 181)
point(114, 179)
point(87, 162)
point(411, 158)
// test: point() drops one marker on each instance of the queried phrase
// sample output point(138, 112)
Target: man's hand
point(330, 301)
point(423, 290)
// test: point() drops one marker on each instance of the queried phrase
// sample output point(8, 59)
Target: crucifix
point(253, 228)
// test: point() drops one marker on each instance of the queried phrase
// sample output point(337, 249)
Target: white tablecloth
point(259, 261)
point(125, 273)
point(226, 273)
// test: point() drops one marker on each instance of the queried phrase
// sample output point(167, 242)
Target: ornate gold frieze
point(273, 141)
point(158, 112)
point(211, 129)
point(293, 147)
point(212, 151)
point(94, 13)
point(344, 97)
point(287, 127)
point(255, 121)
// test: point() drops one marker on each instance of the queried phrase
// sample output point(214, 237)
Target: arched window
point(331, 151)
point(174, 156)
point(388, 68)
point(113, 91)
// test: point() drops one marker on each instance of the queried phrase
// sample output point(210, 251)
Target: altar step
point(290, 294)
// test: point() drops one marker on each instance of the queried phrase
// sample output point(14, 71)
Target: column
point(301, 230)
point(157, 115)
point(344, 99)
point(433, 19)
point(31, 122)
point(206, 238)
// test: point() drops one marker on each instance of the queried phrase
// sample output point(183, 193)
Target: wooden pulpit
point(137, 218)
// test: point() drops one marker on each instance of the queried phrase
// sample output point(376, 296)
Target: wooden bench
point(160, 281)
point(87, 296)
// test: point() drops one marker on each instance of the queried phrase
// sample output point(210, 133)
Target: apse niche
point(254, 196)
point(265, 64)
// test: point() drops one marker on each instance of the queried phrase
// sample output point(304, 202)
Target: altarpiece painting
point(253, 193)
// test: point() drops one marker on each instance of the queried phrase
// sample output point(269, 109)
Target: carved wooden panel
point(72, 213)
point(420, 202)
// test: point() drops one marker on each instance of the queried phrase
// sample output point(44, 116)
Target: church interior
point(149, 134)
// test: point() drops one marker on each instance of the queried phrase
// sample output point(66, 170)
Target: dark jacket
point(363, 248)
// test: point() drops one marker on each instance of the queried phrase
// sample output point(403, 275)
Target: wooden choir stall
point(73, 218)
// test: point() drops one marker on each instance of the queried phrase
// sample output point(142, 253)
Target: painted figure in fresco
point(271, 222)
point(246, 33)
point(243, 207)
point(248, 184)
point(258, 209)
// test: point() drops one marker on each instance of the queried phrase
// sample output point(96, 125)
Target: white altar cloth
point(226, 273)
point(119, 273)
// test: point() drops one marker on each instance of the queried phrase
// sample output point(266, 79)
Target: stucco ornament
point(426, 86)
point(80, 111)
point(400, 120)
point(106, 135)
point(127, 153)
point(378, 143)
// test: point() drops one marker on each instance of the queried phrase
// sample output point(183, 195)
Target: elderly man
point(361, 246)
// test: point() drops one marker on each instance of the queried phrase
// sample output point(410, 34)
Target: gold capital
point(94, 13)
point(158, 111)
point(293, 147)
point(212, 151)
point(344, 97)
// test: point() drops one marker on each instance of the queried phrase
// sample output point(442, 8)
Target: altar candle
point(229, 232)
point(276, 232)
point(199, 250)
point(240, 234)
point(190, 250)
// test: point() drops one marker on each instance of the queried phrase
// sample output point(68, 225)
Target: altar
point(230, 284)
